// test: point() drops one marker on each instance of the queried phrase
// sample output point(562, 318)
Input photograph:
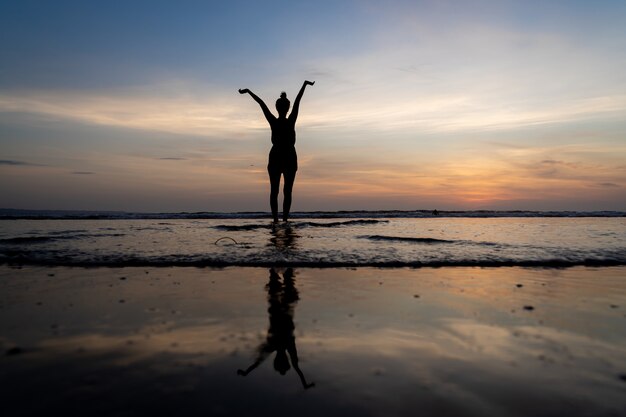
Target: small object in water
point(122, 278)
point(614, 306)
point(621, 376)
point(14, 351)
point(529, 308)
point(226, 237)
point(416, 296)
point(519, 285)
point(122, 300)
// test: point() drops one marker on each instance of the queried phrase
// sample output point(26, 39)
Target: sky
point(454, 105)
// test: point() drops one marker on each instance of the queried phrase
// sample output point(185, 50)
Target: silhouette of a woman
point(283, 159)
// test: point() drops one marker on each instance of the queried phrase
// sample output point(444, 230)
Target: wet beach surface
point(363, 341)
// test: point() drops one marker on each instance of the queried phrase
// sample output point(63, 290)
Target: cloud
point(16, 163)
point(609, 185)
point(380, 101)
point(203, 113)
point(11, 162)
point(83, 173)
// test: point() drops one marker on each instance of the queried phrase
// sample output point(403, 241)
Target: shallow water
point(560, 241)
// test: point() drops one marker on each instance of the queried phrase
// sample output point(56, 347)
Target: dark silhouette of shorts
point(282, 160)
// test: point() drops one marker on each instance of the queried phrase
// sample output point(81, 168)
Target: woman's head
point(281, 362)
point(282, 104)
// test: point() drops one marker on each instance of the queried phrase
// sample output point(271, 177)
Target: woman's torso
point(283, 133)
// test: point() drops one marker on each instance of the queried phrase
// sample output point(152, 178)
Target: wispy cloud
point(146, 111)
point(11, 162)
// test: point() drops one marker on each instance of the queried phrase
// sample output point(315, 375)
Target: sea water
point(386, 239)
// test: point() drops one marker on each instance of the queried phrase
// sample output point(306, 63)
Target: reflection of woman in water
point(283, 159)
point(282, 298)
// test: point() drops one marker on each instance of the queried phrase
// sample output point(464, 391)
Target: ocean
point(315, 239)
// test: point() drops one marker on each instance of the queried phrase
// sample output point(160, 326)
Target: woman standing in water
point(283, 159)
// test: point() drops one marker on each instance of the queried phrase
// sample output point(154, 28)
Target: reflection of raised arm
point(296, 104)
point(262, 355)
point(293, 353)
point(268, 114)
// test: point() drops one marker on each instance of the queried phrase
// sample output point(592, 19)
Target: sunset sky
point(133, 105)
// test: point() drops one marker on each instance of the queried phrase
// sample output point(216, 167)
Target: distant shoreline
point(23, 214)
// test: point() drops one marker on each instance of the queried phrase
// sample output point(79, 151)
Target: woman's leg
point(274, 187)
point(287, 188)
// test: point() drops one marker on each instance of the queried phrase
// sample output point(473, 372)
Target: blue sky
point(447, 104)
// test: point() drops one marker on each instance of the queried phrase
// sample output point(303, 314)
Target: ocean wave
point(241, 227)
point(407, 239)
point(67, 232)
point(347, 242)
point(17, 214)
point(427, 240)
point(28, 240)
point(360, 222)
point(295, 225)
point(54, 236)
point(64, 259)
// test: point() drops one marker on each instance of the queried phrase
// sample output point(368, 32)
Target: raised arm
point(268, 114)
point(296, 105)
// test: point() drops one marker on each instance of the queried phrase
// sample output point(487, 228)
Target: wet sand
point(369, 342)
